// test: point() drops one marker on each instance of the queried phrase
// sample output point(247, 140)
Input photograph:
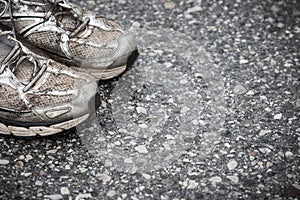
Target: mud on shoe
point(39, 96)
point(94, 44)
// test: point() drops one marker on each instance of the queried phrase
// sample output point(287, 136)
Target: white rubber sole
point(104, 74)
point(41, 130)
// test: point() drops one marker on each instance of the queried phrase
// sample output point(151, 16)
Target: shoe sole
point(32, 131)
point(103, 74)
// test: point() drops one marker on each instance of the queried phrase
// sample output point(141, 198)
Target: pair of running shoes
point(52, 53)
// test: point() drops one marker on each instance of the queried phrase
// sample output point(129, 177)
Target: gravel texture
point(210, 110)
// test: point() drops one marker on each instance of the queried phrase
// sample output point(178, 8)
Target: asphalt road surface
point(210, 110)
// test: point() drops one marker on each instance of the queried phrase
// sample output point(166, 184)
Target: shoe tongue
point(68, 22)
point(66, 19)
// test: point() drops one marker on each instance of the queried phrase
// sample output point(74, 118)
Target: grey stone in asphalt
point(239, 89)
point(4, 162)
point(232, 164)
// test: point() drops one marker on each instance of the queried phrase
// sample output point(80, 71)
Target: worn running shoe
point(39, 96)
point(94, 44)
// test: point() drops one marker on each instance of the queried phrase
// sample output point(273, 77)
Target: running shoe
point(39, 96)
point(92, 43)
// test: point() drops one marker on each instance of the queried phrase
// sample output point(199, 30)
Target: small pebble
point(215, 179)
point(4, 162)
point(111, 193)
point(144, 126)
point(128, 160)
point(264, 132)
point(289, 154)
point(239, 89)
point(185, 109)
point(275, 9)
point(64, 191)
point(269, 164)
point(39, 183)
point(234, 179)
point(141, 110)
point(254, 153)
point(104, 177)
point(192, 185)
point(232, 165)
point(141, 149)
point(54, 197)
point(169, 5)
point(280, 25)
point(19, 164)
point(146, 176)
point(194, 9)
point(244, 62)
point(278, 116)
point(83, 196)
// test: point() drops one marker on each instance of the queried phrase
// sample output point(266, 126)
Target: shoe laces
point(58, 8)
point(17, 56)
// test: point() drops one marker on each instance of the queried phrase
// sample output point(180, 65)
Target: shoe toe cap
point(123, 48)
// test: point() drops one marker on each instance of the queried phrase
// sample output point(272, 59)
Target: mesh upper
point(46, 40)
point(10, 99)
point(98, 37)
point(51, 42)
point(24, 71)
point(48, 100)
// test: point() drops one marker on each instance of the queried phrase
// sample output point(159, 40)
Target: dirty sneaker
point(39, 96)
point(93, 43)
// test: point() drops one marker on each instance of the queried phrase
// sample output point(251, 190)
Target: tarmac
point(209, 110)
